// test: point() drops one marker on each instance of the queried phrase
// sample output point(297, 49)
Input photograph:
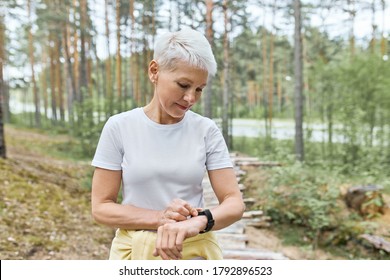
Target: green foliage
point(86, 128)
point(300, 196)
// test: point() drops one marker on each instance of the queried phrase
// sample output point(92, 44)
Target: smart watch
point(210, 220)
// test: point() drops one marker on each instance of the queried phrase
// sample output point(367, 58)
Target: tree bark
point(43, 80)
point(58, 78)
point(207, 99)
point(108, 76)
point(298, 92)
point(225, 88)
point(83, 50)
point(76, 61)
point(53, 62)
point(118, 52)
point(70, 85)
point(271, 72)
point(32, 63)
point(383, 39)
point(2, 86)
point(352, 12)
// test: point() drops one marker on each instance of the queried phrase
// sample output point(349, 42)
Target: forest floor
point(45, 204)
point(45, 201)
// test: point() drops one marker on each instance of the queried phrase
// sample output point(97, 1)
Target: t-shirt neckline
point(158, 125)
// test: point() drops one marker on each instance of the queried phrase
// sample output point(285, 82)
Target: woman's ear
point(153, 71)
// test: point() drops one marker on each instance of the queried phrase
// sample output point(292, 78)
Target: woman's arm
point(105, 209)
point(231, 205)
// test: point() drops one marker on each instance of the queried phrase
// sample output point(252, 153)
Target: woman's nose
point(190, 97)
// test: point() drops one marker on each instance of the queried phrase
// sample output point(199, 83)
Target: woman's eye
point(183, 86)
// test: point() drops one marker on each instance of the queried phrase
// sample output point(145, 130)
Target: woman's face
point(177, 90)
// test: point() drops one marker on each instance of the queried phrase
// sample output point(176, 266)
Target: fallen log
point(262, 222)
point(253, 214)
point(377, 241)
point(249, 202)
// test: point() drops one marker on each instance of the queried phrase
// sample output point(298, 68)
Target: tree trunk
point(2, 86)
point(76, 61)
point(207, 99)
point(374, 27)
point(298, 92)
point(60, 94)
point(383, 39)
point(271, 72)
point(225, 87)
point(132, 51)
point(118, 52)
point(69, 74)
point(83, 50)
point(43, 80)
point(108, 75)
point(32, 63)
point(352, 12)
point(264, 77)
point(53, 79)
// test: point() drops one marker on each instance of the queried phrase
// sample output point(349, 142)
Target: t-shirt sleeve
point(109, 151)
point(217, 154)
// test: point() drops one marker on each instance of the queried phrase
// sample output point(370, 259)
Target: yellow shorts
point(140, 244)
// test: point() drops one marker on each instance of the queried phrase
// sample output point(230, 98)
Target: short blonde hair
point(186, 45)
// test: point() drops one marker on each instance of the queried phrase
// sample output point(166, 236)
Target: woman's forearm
point(228, 212)
point(126, 216)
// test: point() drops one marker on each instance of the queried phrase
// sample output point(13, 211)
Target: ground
point(45, 202)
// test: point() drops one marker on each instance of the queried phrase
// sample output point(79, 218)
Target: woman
point(160, 154)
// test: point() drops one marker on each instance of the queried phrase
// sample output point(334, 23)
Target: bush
point(303, 196)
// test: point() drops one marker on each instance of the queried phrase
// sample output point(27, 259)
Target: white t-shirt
point(161, 162)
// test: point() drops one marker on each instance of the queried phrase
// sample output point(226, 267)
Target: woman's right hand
point(178, 210)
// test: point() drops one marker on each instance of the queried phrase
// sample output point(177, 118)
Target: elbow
point(96, 214)
point(242, 210)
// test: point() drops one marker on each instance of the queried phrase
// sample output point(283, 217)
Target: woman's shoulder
point(197, 118)
point(125, 116)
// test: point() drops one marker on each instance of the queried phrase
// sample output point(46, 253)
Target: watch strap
point(210, 220)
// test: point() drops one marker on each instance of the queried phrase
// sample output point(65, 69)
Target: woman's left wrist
point(202, 222)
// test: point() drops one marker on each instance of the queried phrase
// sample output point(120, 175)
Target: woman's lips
point(184, 108)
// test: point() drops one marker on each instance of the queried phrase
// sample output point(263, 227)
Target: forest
point(319, 68)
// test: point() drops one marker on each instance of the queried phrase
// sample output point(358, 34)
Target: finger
point(194, 212)
point(179, 241)
point(161, 243)
point(168, 244)
point(174, 251)
point(175, 216)
point(155, 252)
point(159, 240)
point(181, 206)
